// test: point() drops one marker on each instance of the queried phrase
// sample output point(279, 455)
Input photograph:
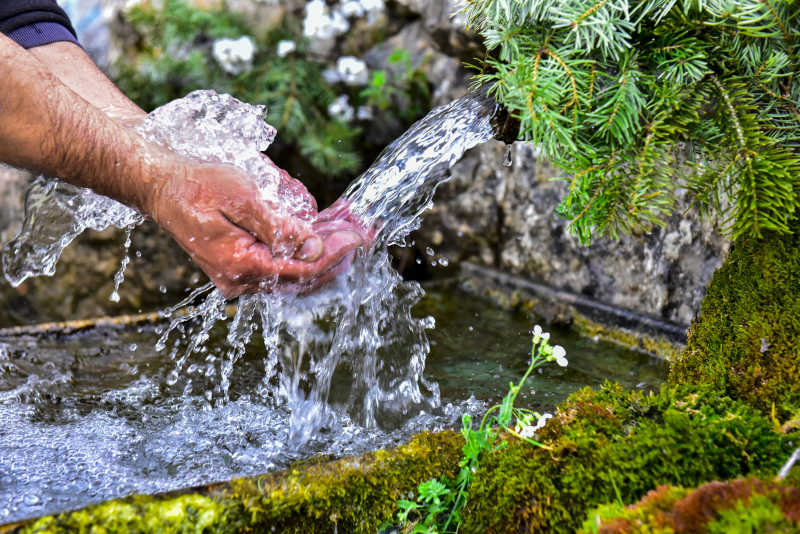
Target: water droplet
point(507, 160)
point(162, 289)
point(132, 347)
point(172, 378)
point(444, 262)
point(429, 251)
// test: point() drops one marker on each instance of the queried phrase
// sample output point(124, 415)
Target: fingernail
point(311, 250)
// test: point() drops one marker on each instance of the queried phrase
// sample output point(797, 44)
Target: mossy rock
point(352, 495)
point(615, 445)
point(742, 506)
point(746, 341)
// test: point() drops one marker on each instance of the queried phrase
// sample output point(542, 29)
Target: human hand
point(339, 215)
point(216, 213)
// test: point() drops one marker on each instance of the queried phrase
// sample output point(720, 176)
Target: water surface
point(90, 416)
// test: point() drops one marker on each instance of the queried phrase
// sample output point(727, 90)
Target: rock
point(159, 275)
point(505, 217)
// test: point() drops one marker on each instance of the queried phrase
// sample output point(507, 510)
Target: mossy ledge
point(317, 496)
point(614, 445)
point(746, 340)
point(741, 506)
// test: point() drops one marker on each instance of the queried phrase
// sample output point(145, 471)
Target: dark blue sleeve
point(35, 22)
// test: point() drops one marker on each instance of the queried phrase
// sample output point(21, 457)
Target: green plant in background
point(438, 507)
point(173, 57)
point(410, 86)
point(638, 99)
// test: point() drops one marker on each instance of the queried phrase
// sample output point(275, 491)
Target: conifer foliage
point(639, 99)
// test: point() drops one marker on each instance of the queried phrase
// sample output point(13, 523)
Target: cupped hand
point(216, 213)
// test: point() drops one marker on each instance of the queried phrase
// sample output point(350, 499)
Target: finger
point(284, 234)
point(337, 246)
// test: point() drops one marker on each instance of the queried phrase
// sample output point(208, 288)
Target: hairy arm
point(48, 128)
point(48, 125)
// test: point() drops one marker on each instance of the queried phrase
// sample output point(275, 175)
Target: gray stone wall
point(504, 217)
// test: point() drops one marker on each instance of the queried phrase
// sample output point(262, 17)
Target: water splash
point(119, 276)
point(352, 348)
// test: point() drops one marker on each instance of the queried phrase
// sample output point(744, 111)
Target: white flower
point(331, 76)
point(234, 55)
point(352, 70)
point(364, 113)
point(537, 331)
point(373, 8)
point(286, 47)
point(320, 23)
point(542, 421)
point(341, 109)
point(559, 354)
point(352, 8)
point(545, 335)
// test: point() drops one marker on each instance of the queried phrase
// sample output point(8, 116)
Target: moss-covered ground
point(741, 506)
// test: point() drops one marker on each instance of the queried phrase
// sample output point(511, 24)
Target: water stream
point(206, 396)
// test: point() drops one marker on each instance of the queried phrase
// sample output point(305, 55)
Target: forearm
point(48, 128)
point(74, 68)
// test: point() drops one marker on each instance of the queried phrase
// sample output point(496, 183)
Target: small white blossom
point(321, 23)
point(546, 336)
point(542, 421)
point(352, 8)
point(372, 8)
point(341, 109)
point(234, 55)
point(352, 70)
point(286, 47)
point(559, 353)
point(537, 331)
point(331, 76)
point(364, 113)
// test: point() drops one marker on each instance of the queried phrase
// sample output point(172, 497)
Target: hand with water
point(242, 242)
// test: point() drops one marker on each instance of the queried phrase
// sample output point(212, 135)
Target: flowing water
point(207, 396)
point(90, 416)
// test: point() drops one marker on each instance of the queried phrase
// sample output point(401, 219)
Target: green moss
point(746, 340)
point(351, 495)
point(743, 506)
point(183, 514)
point(758, 515)
point(657, 345)
point(646, 516)
point(614, 445)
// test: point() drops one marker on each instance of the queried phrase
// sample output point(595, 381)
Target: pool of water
point(90, 416)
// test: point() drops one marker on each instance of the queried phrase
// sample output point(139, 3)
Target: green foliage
point(439, 504)
point(745, 342)
point(173, 57)
point(637, 99)
point(616, 445)
point(410, 89)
